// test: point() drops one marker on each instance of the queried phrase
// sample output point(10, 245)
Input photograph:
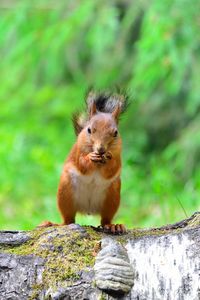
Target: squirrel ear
point(116, 112)
point(93, 109)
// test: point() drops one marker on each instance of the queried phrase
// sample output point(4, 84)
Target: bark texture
point(74, 262)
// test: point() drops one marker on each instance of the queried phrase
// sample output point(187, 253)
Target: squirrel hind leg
point(50, 224)
point(114, 228)
point(110, 208)
point(47, 224)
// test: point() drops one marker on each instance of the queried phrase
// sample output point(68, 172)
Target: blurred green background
point(51, 52)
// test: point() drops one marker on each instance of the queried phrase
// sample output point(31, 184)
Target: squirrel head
point(101, 131)
point(97, 128)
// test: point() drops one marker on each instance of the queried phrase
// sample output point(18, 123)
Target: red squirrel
point(90, 181)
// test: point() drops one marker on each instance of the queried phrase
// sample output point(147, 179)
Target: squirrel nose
point(101, 150)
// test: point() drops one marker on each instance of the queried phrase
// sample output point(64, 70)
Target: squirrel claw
point(114, 229)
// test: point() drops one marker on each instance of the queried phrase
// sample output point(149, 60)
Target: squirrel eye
point(115, 133)
point(89, 130)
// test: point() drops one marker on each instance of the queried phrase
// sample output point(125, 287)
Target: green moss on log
point(66, 252)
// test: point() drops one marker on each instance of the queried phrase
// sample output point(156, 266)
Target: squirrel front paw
point(107, 156)
point(100, 158)
point(97, 158)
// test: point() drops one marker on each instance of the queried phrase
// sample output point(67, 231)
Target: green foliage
point(51, 53)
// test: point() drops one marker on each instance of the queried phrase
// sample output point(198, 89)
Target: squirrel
point(90, 181)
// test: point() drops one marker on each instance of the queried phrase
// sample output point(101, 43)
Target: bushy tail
point(105, 102)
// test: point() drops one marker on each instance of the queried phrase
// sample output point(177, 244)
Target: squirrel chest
point(89, 190)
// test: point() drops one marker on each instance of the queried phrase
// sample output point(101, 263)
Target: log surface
point(74, 262)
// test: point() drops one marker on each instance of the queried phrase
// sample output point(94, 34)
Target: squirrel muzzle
point(100, 149)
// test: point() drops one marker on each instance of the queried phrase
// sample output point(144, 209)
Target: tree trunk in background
point(73, 262)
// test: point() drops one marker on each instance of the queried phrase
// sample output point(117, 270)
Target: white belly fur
point(89, 191)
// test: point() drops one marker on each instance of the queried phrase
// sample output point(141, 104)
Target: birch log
point(74, 262)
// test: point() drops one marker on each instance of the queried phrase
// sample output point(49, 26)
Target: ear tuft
point(116, 112)
point(93, 109)
point(79, 122)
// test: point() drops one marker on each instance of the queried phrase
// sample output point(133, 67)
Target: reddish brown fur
point(113, 199)
point(85, 159)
